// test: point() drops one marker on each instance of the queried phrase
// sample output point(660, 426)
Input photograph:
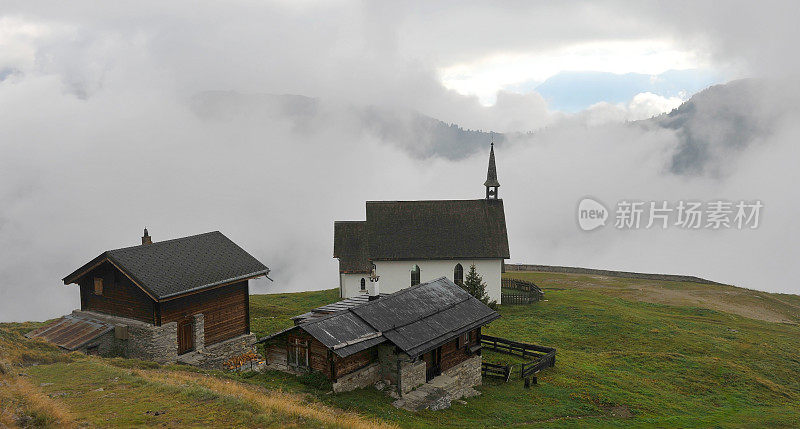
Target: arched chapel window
point(458, 274)
point(363, 284)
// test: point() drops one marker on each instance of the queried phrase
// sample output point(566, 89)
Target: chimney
point(146, 238)
point(374, 287)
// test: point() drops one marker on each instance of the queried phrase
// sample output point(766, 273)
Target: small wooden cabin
point(407, 338)
point(169, 299)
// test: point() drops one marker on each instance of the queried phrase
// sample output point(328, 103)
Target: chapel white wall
point(396, 275)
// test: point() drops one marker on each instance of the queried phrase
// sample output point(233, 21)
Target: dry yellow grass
point(267, 400)
point(19, 395)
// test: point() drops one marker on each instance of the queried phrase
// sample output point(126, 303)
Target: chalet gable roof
point(171, 268)
point(436, 229)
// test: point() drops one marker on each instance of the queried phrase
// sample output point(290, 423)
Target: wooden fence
point(542, 357)
point(496, 370)
point(517, 348)
point(515, 291)
point(529, 370)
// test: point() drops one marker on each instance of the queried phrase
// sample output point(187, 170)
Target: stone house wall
point(363, 377)
point(144, 341)
point(160, 343)
point(199, 332)
point(215, 355)
point(412, 375)
point(466, 375)
point(400, 369)
point(154, 343)
point(387, 358)
point(104, 345)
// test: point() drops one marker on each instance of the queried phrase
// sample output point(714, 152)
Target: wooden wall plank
point(120, 296)
point(224, 311)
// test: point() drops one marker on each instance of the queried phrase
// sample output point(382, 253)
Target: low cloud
point(110, 127)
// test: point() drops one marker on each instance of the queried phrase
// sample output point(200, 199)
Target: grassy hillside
point(630, 353)
point(41, 386)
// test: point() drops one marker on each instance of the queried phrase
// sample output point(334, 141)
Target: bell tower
point(491, 183)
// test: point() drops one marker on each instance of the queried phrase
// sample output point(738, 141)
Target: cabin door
point(433, 363)
point(185, 337)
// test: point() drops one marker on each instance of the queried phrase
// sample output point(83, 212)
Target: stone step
point(443, 381)
point(426, 397)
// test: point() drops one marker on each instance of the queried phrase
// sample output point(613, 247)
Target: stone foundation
point(215, 355)
point(363, 377)
point(454, 383)
point(412, 375)
point(400, 369)
point(104, 345)
point(139, 340)
point(144, 341)
point(465, 376)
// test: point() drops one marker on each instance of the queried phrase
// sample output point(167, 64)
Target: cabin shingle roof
point(416, 320)
point(437, 229)
point(170, 268)
point(350, 246)
point(423, 317)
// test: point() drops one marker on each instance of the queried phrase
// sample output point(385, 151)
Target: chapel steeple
point(492, 185)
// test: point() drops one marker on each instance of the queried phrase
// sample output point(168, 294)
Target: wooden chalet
point(164, 300)
point(407, 338)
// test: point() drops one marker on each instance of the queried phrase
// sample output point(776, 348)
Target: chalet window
point(363, 284)
point(458, 274)
point(463, 340)
point(415, 275)
point(298, 353)
point(98, 286)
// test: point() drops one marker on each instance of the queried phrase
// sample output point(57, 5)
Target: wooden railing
point(515, 291)
point(496, 370)
point(517, 348)
point(530, 369)
point(542, 357)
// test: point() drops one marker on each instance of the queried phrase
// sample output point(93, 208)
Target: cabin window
point(98, 286)
point(363, 284)
point(463, 340)
point(458, 274)
point(298, 353)
point(415, 275)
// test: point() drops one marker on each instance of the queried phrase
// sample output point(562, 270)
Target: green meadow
point(630, 353)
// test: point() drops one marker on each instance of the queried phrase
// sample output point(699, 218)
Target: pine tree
point(475, 286)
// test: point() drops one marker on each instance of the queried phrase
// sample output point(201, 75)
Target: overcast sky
point(118, 116)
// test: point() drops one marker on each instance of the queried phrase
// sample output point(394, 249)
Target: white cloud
point(642, 106)
point(97, 137)
point(646, 105)
point(486, 76)
point(21, 39)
